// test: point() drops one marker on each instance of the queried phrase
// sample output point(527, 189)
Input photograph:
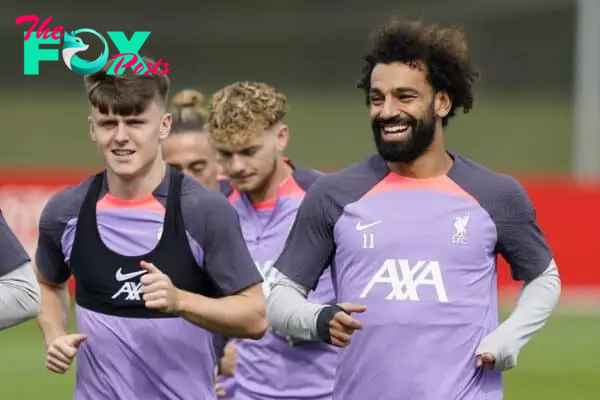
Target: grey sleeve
point(538, 299)
point(289, 311)
point(20, 296)
point(12, 252)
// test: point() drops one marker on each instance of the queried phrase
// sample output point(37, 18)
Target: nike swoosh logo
point(360, 227)
point(124, 277)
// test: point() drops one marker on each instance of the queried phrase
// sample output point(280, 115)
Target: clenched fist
point(157, 288)
point(61, 352)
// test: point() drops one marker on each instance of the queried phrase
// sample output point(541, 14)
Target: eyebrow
point(238, 151)
point(105, 120)
point(404, 90)
point(396, 91)
point(135, 118)
point(132, 118)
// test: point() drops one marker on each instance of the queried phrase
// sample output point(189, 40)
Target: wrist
point(325, 316)
point(182, 302)
point(51, 336)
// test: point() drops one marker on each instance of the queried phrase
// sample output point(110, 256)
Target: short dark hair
point(125, 94)
point(443, 52)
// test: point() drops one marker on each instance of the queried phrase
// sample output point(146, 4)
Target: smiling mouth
point(123, 152)
point(395, 131)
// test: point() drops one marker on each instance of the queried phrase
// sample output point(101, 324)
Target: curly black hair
point(443, 51)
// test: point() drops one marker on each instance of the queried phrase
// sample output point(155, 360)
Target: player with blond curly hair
point(247, 128)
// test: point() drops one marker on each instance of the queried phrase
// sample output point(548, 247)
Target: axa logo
point(403, 279)
point(130, 290)
point(128, 56)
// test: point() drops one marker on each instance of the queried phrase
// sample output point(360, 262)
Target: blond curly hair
point(244, 109)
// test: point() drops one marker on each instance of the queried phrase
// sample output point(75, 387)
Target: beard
point(422, 133)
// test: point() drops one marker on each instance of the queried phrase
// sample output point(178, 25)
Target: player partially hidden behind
point(155, 256)
point(413, 234)
point(188, 146)
point(19, 290)
point(248, 130)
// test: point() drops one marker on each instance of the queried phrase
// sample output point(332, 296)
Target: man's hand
point(159, 292)
point(486, 360)
point(219, 388)
point(497, 351)
point(228, 360)
point(342, 325)
point(61, 352)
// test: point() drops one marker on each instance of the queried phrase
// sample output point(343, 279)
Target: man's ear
point(283, 137)
point(165, 126)
point(91, 129)
point(443, 104)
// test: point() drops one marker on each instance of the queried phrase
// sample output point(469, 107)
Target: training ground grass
point(559, 363)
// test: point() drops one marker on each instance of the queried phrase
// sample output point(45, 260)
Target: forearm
point(289, 311)
point(19, 296)
point(232, 316)
point(538, 299)
point(536, 302)
point(54, 314)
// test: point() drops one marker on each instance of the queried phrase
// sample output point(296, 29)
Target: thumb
point(76, 339)
point(151, 268)
point(488, 358)
point(353, 307)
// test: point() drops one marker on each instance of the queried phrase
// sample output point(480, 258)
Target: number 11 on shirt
point(368, 241)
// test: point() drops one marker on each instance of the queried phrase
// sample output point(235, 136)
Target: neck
point(434, 162)
point(139, 186)
point(269, 190)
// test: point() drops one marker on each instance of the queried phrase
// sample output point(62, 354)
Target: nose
point(389, 109)
point(121, 135)
point(237, 164)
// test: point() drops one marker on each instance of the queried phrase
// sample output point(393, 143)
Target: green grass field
point(558, 364)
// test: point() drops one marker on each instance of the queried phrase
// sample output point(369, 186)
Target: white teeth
point(123, 152)
point(392, 129)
